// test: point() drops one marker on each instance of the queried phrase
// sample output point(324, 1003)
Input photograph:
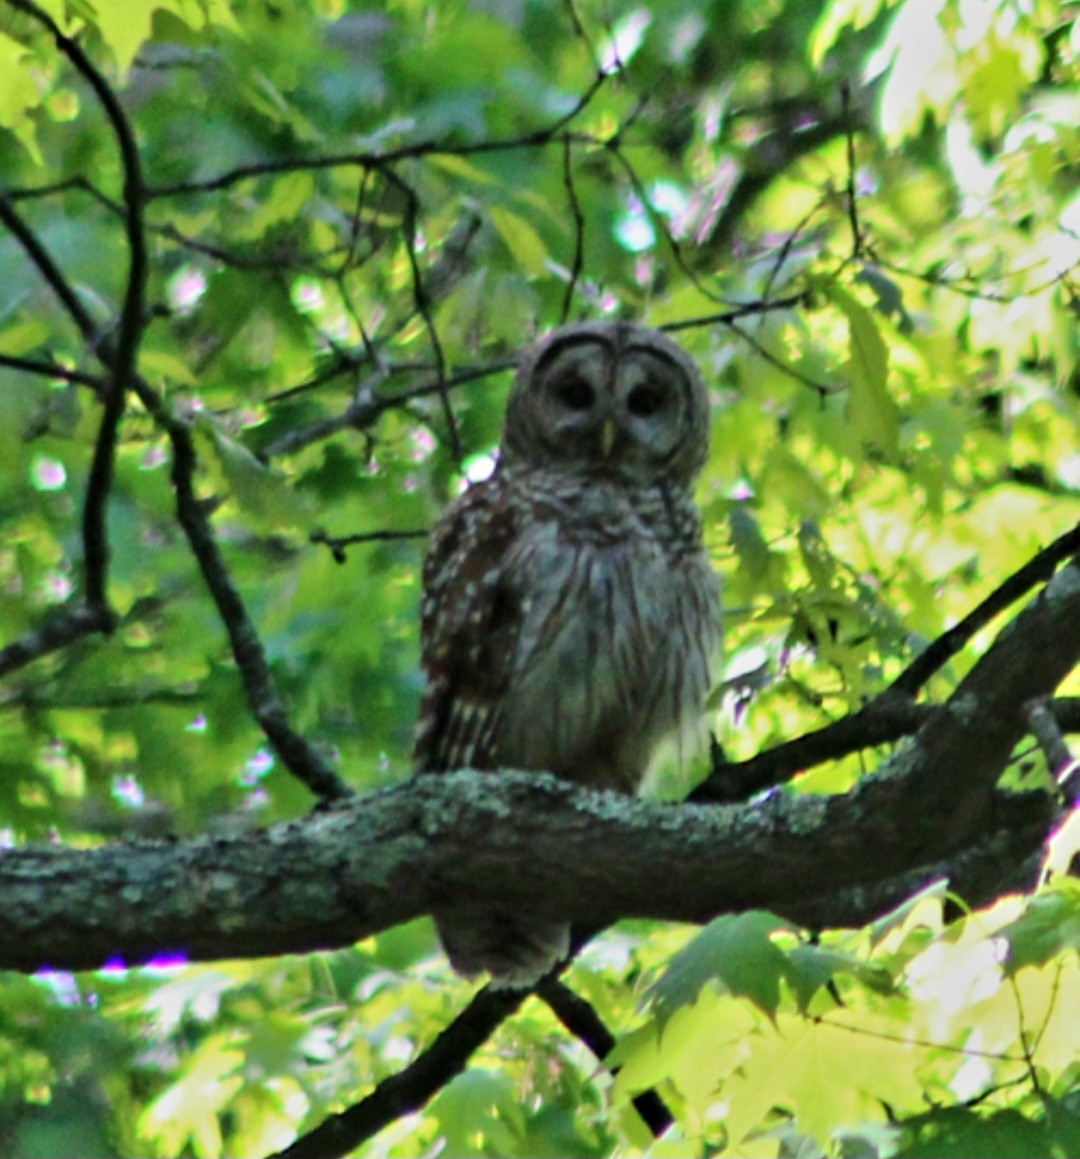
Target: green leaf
point(735, 950)
point(826, 1075)
point(461, 167)
point(835, 18)
point(18, 93)
point(810, 967)
point(871, 409)
point(960, 1133)
point(262, 492)
point(521, 240)
point(1049, 925)
point(749, 543)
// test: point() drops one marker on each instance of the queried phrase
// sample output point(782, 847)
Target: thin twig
point(122, 358)
point(1038, 569)
point(742, 310)
point(852, 203)
point(57, 633)
point(338, 543)
point(1046, 729)
point(423, 306)
point(54, 370)
point(578, 259)
point(49, 270)
point(381, 161)
point(299, 756)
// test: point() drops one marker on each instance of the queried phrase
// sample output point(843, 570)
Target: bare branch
point(49, 270)
point(1046, 728)
point(743, 310)
point(122, 357)
point(55, 634)
point(381, 161)
point(1037, 570)
point(422, 302)
point(578, 217)
point(54, 370)
point(338, 543)
point(884, 720)
point(300, 757)
point(580, 1018)
point(851, 193)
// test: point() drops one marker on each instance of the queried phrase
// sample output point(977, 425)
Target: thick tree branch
point(480, 840)
point(565, 853)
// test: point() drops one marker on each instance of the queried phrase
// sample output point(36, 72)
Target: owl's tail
point(516, 951)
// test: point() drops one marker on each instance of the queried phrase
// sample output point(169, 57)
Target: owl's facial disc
point(613, 410)
point(609, 399)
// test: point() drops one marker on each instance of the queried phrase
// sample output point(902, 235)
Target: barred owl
point(569, 610)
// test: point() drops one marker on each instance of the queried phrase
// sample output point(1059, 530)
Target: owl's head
point(609, 399)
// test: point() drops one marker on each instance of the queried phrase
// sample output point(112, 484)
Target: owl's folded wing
point(470, 621)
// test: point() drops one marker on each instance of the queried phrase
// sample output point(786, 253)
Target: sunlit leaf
point(521, 240)
point(1049, 924)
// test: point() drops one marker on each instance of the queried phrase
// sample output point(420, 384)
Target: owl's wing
point(470, 621)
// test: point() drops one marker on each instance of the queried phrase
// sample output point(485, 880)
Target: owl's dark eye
point(575, 393)
point(646, 399)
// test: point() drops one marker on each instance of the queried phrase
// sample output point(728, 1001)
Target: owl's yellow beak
point(607, 437)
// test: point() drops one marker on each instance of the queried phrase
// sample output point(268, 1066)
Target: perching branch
point(566, 853)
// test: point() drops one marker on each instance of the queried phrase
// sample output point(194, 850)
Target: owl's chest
point(618, 617)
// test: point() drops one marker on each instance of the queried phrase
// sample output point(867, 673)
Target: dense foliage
point(277, 257)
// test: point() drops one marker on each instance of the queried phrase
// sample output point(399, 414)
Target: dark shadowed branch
point(893, 713)
point(119, 354)
point(422, 302)
point(56, 633)
point(577, 259)
point(301, 758)
point(581, 1020)
point(410, 1088)
point(54, 370)
point(49, 270)
point(1037, 570)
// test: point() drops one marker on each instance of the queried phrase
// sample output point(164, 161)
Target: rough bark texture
point(352, 869)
